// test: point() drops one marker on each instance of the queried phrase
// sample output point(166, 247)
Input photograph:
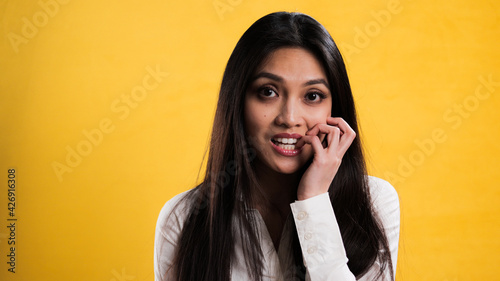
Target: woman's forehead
point(291, 63)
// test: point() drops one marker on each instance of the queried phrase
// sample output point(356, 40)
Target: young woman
point(285, 194)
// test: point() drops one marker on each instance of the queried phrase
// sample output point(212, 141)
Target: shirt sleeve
point(324, 254)
point(168, 229)
point(321, 241)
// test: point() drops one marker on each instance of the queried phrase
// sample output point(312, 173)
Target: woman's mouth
point(285, 144)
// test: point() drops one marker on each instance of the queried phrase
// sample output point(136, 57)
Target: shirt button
point(301, 215)
point(308, 236)
point(311, 250)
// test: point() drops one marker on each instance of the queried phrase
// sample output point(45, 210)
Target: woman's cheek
point(316, 118)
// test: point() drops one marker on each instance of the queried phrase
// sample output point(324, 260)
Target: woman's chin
point(288, 168)
point(283, 165)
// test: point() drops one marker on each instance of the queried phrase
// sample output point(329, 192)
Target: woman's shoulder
point(174, 211)
point(381, 190)
point(384, 197)
point(169, 227)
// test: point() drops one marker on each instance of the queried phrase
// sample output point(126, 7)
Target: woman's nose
point(289, 115)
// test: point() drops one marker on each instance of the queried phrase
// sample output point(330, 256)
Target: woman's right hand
point(330, 142)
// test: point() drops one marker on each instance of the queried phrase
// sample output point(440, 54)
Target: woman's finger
point(317, 145)
point(339, 135)
point(332, 134)
point(314, 141)
point(341, 123)
point(347, 136)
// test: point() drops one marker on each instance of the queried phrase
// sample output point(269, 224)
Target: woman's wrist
point(302, 197)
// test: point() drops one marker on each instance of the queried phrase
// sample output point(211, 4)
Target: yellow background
point(414, 74)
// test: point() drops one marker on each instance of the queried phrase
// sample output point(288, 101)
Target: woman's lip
point(286, 152)
point(287, 135)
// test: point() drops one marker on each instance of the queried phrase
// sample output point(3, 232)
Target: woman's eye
point(315, 96)
point(267, 92)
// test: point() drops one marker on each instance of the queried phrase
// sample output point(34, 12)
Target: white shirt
point(319, 235)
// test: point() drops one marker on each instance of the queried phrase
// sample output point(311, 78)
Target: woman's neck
point(273, 203)
point(278, 190)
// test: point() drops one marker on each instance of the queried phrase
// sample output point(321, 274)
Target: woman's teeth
point(285, 140)
point(286, 143)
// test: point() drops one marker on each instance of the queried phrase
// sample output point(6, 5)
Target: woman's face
point(288, 95)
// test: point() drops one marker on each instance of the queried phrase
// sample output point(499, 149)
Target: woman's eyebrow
point(317, 81)
point(278, 78)
point(268, 75)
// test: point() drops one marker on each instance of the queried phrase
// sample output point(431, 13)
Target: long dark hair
point(206, 246)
